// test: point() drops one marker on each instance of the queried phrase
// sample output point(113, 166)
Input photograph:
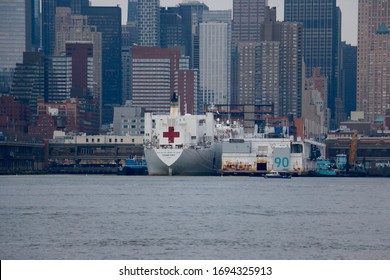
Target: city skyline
point(349, 9)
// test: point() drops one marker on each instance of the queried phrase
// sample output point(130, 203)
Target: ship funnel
point(174, 111)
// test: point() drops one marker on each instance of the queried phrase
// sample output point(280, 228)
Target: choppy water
point(109, 217)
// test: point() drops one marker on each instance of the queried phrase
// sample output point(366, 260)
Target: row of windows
point(133, 121)
point(132, 126)
point(110, 140)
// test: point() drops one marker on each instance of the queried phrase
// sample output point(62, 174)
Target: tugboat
point(134, 166)
point(325, 168)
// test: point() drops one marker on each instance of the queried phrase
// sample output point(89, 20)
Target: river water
point(112, 217)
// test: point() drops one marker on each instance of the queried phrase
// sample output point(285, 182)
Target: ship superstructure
point(259, 154)
point(178, 144)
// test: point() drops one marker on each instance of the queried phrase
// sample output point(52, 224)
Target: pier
point(84, 154)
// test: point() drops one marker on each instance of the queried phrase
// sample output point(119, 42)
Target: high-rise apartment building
point(267, 74)
point(148, 15)
point(291, 69)
point(154, 77)
point(83, 83)
point(107, 21)
point(246, 66)
point(322, 36)
point(187, 89)
point(270, 70)
point(59, 78)
point(244, 62)
point(215, 58)
point(373, 82)
point(248, 16)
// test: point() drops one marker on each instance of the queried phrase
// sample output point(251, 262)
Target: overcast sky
point(349, 9)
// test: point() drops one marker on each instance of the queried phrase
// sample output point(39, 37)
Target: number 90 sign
point(281, 162)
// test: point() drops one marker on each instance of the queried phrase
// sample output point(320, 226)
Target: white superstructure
point(178, 144)
point(259, 154)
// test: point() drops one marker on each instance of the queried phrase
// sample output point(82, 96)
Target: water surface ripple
point(109, 217)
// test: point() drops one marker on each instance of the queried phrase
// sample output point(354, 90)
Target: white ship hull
point(187, 162)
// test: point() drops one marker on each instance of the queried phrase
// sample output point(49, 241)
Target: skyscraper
point(248, 15)
point(321, 31)
point(48, 25)
point(348, 71)
point(19, 31)
point(171, 30)
point(246, 69)
point(131, 28)
point(316, 86)
point(154, 77)
point(215, 58)
point(59, 78)
point(29, 79)
point(373, 83)
point(34, 24)
point(270, 70)
point(78, 30)
point(107, 21)
point(148, 23)
point(75, 5)
point(127, 42)
point(291, 69)
point(48, 19)
point(132, 11)
point(191, 13)
point(267, 74)
point(82, 68)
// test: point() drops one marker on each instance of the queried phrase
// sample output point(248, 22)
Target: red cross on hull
point(171, 134)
